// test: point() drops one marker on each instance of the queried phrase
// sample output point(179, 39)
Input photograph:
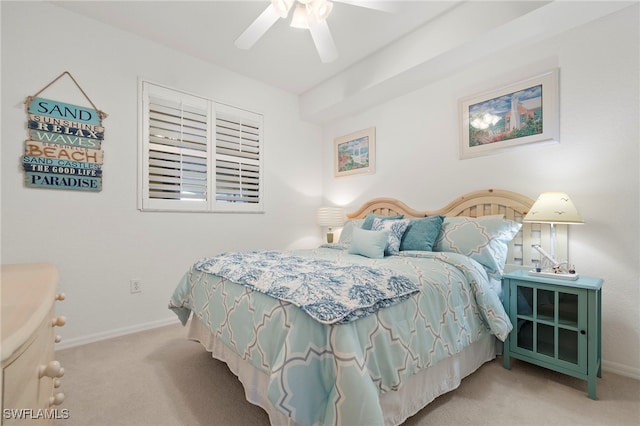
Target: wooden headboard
point(487, 202)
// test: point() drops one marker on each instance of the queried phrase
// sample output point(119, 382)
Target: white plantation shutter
point(198, 155)
point(238, 150)
point(177, 151)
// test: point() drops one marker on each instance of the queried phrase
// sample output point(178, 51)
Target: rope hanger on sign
point(103, 114)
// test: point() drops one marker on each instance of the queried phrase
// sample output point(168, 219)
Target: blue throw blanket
point(330, 293)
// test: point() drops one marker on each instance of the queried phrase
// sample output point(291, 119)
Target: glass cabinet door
point(568, 327)
point(548, 322)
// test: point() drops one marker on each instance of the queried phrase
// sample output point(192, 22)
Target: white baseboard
point(622, 370)
point(79, 341)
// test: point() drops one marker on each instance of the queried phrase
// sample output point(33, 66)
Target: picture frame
point(355, 153)
point(518, 114)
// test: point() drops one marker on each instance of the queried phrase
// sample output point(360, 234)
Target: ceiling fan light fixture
point(282, 7)
point(300, 17)
point(322, 9)
point(308, 14)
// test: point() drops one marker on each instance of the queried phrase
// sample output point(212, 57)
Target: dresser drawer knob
point(53, 369)
point(58, 338)
point(59, 321)
point(56, 399)
point(60, 296)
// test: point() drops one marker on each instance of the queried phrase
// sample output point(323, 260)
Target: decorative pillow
point(347, 231)
point(484, 239)
point(369, 243)
point(368, 221)
point(421, 233)
point(396, 230)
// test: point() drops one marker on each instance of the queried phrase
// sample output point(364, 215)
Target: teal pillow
point(421, 234)
point(347, 232)
point(396, 230)
point(369, 243)
point(368, 221)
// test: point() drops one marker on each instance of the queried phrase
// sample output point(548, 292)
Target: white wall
point(100, 241)
point(597, 161)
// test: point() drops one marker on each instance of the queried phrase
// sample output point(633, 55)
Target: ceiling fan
point(307, 14)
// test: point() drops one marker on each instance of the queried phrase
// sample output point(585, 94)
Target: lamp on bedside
point(553, 208)
point(330, 217)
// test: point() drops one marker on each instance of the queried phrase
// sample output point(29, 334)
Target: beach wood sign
point(64, 145)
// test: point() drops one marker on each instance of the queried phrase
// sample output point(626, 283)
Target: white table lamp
point(330, 217)
point(553, 208)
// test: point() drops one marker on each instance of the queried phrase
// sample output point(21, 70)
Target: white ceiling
point(381, 54)
point(284, 57)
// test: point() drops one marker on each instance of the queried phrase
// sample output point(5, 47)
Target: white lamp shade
point(553, 207)
point(330, 216)
point(300, 17)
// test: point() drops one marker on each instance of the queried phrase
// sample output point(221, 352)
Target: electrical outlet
point(135, 286)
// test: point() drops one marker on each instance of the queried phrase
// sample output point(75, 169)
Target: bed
point(307, 355)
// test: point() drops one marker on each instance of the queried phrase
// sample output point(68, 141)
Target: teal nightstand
point(556, 324)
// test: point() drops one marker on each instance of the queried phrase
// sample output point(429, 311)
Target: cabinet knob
point(60, 296)
point(53, 369)
point(58, 338)
point(583, 331)
point(56, 399)
point(59, 321)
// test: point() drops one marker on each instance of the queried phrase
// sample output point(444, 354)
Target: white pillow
point(396, 230)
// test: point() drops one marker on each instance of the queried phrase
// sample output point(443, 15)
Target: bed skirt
point(397, 406)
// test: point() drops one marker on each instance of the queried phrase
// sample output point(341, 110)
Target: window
point(198, 154)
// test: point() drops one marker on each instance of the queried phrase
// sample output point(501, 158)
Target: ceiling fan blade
point(257, 28)
point(323, 41)
point(383, 6)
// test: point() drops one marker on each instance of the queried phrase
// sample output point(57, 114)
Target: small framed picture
point(521, 113)
point(355, 153)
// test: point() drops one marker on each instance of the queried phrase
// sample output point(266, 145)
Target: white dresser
point(31, 376)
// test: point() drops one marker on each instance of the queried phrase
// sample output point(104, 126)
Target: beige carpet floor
point(158, 377)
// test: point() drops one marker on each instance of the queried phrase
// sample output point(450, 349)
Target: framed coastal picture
point(355, 153)
point(517, 114)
